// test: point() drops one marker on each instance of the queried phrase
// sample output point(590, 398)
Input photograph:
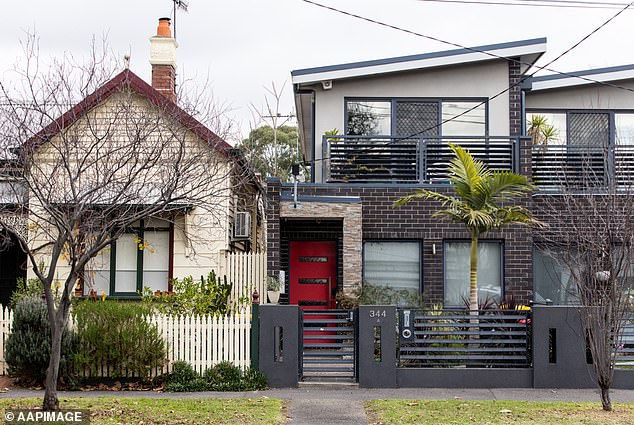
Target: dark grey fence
point(451, 349)
point(456, 338)
point(386, 159)
point(625, 348)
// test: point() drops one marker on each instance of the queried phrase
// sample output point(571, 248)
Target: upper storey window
point(416, 117)
point(583, 128)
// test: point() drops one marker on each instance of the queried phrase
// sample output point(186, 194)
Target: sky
point(242, 46)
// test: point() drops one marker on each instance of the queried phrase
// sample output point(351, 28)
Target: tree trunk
point(605, 399)
point(473, 294)
point(473, 274)
point(50, 393)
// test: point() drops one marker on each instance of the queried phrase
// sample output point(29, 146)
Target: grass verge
point(160, 411)
point(423, 412)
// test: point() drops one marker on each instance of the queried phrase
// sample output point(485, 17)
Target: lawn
point(422, 412)
point(159, 411)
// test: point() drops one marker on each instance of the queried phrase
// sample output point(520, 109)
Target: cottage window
point(393, 264)
point(457, 263)
point(138, 258)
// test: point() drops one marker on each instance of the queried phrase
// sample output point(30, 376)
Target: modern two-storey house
point(375, 131)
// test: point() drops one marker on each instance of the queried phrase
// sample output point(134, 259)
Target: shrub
point(116, 335)
point(210, 295)
point(184, 378)
point(222, 377)
point(28, 347)
point(25, 289)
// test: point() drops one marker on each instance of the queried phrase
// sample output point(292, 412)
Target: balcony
point(582, 167)
point(394, 160)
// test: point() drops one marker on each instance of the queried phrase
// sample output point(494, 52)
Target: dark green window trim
point(140, 233)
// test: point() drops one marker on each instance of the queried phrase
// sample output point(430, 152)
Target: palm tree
point(478, 204)
point(541, 131)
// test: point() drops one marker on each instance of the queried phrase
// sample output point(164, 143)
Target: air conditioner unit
point(242, 225)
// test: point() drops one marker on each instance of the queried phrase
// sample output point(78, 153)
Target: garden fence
point(247, 272)
point(202, 341)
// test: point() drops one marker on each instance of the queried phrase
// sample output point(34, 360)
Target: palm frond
point(505, 185)
point(424, 194)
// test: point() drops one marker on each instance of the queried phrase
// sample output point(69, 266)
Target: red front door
point(313, 273)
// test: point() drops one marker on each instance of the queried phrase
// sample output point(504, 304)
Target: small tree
point(97, 154)
point(478, 204)
point(591, 232)
point(263, 146)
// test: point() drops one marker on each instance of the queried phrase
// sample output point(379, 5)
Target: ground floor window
point(457, 256)
point(552, 279)
point(394, 264)
point(140, 257)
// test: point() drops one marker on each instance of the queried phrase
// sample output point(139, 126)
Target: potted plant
point(273, 286)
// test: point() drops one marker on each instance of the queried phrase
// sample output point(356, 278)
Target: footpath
point(343, 404)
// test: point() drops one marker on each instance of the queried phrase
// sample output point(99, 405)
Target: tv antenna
point(179, 4)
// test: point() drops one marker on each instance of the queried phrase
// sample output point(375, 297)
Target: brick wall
point(164, 80)
point(415, 222)
point(272, 208)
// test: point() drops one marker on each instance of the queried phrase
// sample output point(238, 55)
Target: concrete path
point(344, 394)
point(327, 412)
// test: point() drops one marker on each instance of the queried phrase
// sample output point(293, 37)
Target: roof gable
point(128, 79)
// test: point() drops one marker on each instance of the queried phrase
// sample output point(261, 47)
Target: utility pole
point(274, 115)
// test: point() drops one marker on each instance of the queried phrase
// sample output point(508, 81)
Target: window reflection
point(463, 118)
point(369, 118)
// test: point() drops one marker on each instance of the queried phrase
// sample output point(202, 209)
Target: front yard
point(162, 411)
point(426, 412)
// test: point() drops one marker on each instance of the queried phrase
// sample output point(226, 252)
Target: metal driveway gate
point(328, 345)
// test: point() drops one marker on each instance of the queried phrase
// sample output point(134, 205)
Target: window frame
point(611, 113)
point(394, 100)
point(139, 232)
point(420, 257)
point(501, 244)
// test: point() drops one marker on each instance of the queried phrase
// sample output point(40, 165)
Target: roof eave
point(531, 50)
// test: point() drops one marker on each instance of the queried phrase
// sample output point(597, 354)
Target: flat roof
point(531, 50)
point(587, 76)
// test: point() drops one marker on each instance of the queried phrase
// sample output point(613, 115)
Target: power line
point(521, 80)
point(537, 3)
point(539, 68)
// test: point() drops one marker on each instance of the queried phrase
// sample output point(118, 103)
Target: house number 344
point(377, 313)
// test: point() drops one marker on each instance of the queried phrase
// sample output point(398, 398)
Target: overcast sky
point(244, 45)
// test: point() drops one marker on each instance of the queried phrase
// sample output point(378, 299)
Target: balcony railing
point(385, 159)
point(582, 167)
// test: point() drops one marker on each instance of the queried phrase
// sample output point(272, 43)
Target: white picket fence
point(202, 341)
point(247, 272)
point(6, 319)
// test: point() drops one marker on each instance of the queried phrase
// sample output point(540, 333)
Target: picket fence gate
point(202, 341)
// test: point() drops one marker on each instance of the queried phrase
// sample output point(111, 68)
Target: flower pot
point(274, 296)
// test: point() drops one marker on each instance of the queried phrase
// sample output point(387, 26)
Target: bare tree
point(591, 233)
point(272, 117)
point(97, 154)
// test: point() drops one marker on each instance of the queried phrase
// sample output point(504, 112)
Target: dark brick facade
point(272, 208)
point(411, 222)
